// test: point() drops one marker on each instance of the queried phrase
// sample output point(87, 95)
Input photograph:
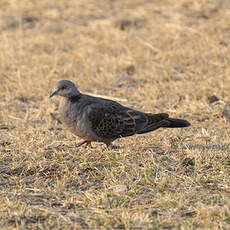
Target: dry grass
point(162, 56)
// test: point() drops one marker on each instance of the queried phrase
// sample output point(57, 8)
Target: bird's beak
point(52, 94)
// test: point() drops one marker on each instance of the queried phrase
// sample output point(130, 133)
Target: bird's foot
point(88, 143)
point(112, 147)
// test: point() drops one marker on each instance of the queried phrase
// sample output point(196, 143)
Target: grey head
point(65, 88)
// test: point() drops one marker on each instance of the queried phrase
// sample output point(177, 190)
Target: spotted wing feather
point(114, 121)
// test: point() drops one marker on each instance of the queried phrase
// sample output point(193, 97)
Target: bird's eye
point(63, 87)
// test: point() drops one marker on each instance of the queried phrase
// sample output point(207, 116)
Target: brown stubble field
point(156, 56)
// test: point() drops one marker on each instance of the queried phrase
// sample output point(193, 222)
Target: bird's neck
point(74, 98)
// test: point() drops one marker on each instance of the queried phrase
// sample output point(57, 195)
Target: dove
point(95, 119)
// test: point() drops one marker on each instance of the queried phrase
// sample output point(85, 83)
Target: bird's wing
point(112, 121)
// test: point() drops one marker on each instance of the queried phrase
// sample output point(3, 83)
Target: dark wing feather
point(155, 121)
point(113, 121)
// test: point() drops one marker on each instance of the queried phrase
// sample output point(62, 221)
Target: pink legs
point(88, 143)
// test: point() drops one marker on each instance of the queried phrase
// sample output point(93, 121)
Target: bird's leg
point(83, 142)
point(111, 146)
point(89, 144)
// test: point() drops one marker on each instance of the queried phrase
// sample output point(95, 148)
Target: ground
point(156, 56)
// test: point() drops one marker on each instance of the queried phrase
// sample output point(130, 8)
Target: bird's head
point(65, 88)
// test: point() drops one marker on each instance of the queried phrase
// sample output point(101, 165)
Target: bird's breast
point(74, 119)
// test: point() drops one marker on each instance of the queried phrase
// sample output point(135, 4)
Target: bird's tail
point(176, 123)
point(156, 121)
